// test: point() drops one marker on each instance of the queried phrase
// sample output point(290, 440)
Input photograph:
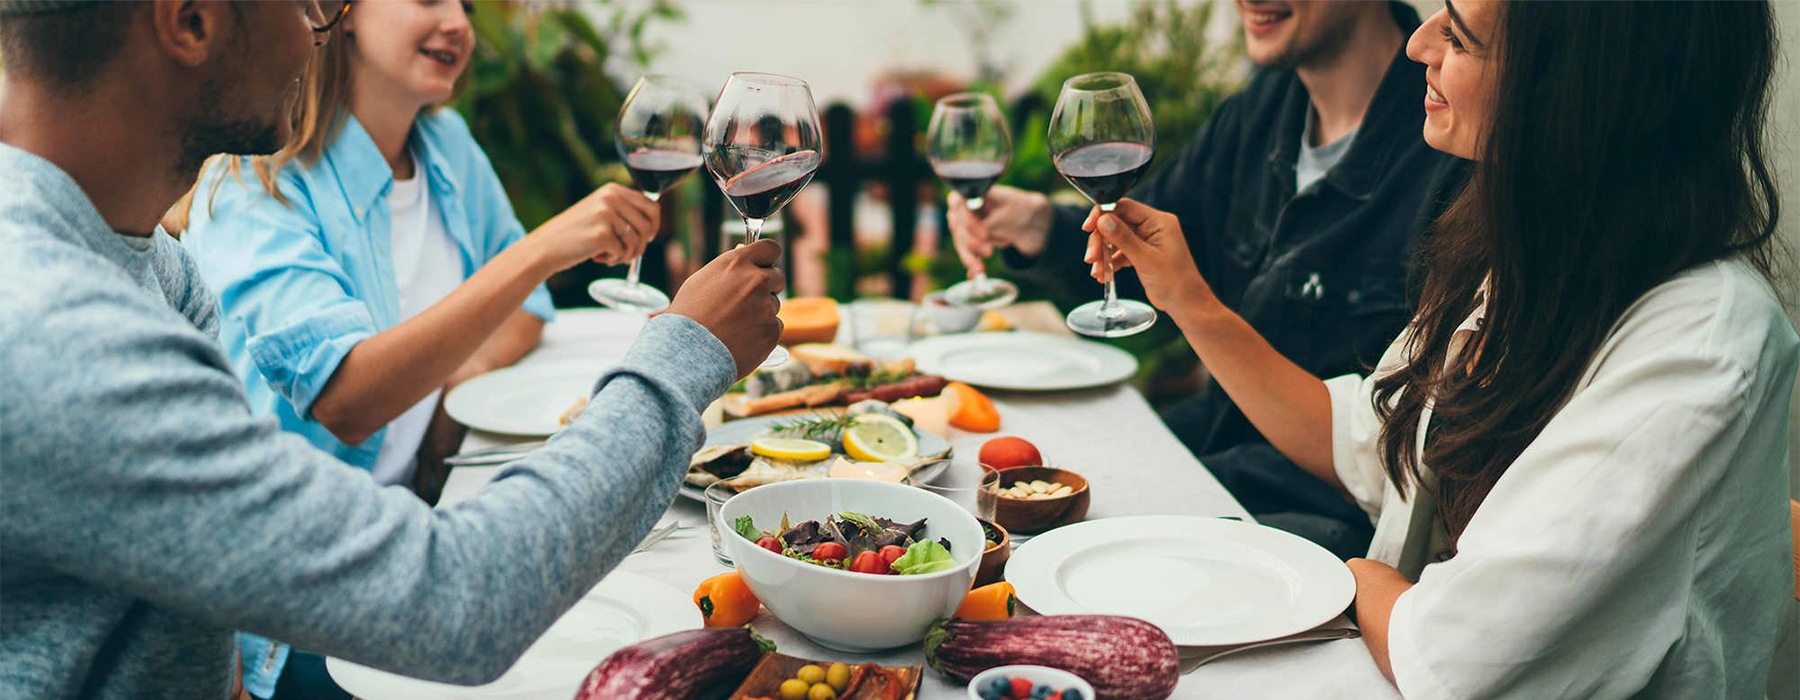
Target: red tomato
point(769, 543)
point(869, 562)
point(829, 552)
point(1021, 687)
point(892, 552)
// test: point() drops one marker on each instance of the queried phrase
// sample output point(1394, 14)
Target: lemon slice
point(877, 438)
point(790, 449)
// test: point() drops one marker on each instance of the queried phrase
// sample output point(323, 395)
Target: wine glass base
point(1124, 317)
point(992, 294)
point(777, 358)
point(628, 296)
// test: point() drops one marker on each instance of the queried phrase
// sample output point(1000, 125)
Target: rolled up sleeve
point(1354, 430)
point(267, 262)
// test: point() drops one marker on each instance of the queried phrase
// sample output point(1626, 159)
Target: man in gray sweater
point(145, 514)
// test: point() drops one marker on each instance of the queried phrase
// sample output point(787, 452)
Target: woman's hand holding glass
point(1151, 241)
point(610, 226)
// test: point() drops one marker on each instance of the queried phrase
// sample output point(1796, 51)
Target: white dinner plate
point(624, 609)
point(743, 430)
point(523, 400)
point(1022, 361)
point(1204, 581)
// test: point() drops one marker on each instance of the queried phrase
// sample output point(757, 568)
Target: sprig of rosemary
point(818, 427)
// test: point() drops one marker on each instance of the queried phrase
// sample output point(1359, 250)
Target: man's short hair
point(64, 47)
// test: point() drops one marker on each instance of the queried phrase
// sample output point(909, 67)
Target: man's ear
point(191, 31)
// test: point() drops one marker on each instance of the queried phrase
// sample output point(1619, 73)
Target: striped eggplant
point(677, 666)
point(1124, 658)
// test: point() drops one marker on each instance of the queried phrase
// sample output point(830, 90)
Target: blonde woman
point(375, 262)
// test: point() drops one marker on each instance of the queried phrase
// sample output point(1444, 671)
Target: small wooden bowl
point(993, 559)
point(868, 681)
point(1032, 516)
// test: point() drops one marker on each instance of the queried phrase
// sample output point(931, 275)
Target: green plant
point(539, 100)
point(1184, 76)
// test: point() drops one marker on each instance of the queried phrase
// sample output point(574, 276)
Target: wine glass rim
point(1121, 80)
point(957, 99)
point(767, 78)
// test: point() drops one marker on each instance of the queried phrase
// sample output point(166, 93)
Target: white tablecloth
point(1133, 464)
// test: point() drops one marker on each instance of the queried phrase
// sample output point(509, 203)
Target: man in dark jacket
point(1302, 199)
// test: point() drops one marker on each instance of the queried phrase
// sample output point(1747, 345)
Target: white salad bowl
point(843, 610)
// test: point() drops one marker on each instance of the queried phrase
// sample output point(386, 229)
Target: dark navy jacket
point(1321, 274)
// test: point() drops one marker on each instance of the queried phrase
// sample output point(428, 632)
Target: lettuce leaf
point(924, 558)
point(746, 527)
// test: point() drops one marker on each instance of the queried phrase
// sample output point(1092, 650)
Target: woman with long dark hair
point(1576, 453)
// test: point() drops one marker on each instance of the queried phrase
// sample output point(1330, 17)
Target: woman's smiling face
point(1459, 48)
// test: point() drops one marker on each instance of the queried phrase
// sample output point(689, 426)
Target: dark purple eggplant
point(1124, 658)
point(677, 666)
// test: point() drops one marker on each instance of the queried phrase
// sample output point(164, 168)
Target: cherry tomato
point(769, 543)
point(830, 552)
point(892, 552)
point(1021, 688)
point(869, 562)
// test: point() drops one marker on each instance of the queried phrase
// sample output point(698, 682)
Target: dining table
point(1110, 434)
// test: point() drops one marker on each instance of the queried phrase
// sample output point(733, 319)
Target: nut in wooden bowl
point(1034, 499)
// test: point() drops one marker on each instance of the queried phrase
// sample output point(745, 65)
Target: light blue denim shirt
point(301, 283)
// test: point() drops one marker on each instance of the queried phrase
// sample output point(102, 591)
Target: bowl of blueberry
point(1028, 683)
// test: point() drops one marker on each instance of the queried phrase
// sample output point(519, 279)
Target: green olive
point(821, 691)
point(838, 676)
point(811, 673)
point(794, 689)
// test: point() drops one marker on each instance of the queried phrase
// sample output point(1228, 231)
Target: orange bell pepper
point(726, 601)
point(973, 411)
point(994, 601)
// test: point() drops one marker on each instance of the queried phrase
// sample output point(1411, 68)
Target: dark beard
point(1322, 50)
point(213, 132)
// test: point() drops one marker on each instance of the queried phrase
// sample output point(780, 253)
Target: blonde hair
point(316, 118)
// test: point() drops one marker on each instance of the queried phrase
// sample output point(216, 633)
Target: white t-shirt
point(1640, 546)
point(427, 267)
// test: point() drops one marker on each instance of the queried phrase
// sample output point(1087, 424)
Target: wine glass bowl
point(658, 138)
point(969, 147)
point(1101, 139)
point(762, 146)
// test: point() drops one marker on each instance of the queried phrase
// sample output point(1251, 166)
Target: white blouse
point(1640, 546)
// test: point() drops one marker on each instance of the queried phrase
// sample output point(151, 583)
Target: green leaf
point(863, 522)
point(923, 558)
point(746, 527)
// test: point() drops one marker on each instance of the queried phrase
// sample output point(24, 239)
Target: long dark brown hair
point(1626, 145)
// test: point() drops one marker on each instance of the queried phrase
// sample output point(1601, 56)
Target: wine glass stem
point(637, 263)
point(980, 282)
point(752, 230)
point(1112, 286)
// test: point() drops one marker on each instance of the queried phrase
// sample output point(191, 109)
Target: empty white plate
point(624, 609)
point(1204, 581)
point(525, 399)
point(1023, 361)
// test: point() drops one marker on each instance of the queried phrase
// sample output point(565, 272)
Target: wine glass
point(969, 147)
point(1101, 140)
point(658, 136)
point(763, 147)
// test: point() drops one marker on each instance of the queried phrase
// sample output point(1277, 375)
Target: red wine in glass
point(763, 189)
point(655, 171)
point(1101, 138)
point(1105, 171)
point(658, 137)
point(970, 178)
point(969, 146)
point(762, 146)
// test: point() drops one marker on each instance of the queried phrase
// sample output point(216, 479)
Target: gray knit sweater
point(145, 514)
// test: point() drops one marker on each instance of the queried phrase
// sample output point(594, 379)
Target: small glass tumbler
point(976, 496)
point(716, 496)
